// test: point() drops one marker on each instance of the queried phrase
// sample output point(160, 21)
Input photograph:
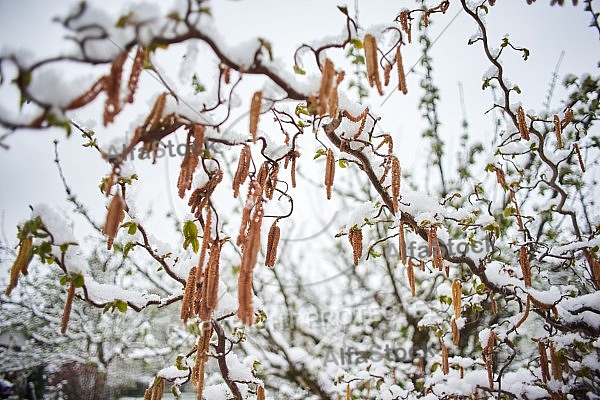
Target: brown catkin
point(387, 71)
point(436, 250)
point(21, 262)
point(500, 177)
point(260, 393)
point(241, 239)
point(67, 312)
point(401, 75)
point(255, 113)
point(455, 333)
point(272, 242)
point(579, 157)
point(445, 366)
point(188, 166)
point(199, 133)
point(329, 172)
point(370, 45)
point(402, 243)
point(404, 18)
point(361, 127)
point(88, 96)
point(396, 181)
point(114, 216)
point(558, 131)
point(212, 277)
point(568, 118)
point(326, 86)
point(206, 239)
point(263, 174)
point(245, 302)
point(112, 84)
point(249, 257)
point(525, 267)
point(188, 296)
point(457, 297)
point(271, 181)
point(555, 363)
point(543, 361)
point(160, 389)
point(254, 194)
point(355, 237)
point(334, 96)
point(410, 275)
point(202, 349)
point(156, 391)
point(293, 168)
point(242, 170)
point(522, 124)
point(153, 120)
point(494, 304)
point(136, 69)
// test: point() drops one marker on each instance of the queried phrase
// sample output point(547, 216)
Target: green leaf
point(343, 9)
point(124, 20)
point(180, 363)
point(132, 228)
point(357, 43)
point(445, 299)
point(53, 120)
point(358, 60)
point(373, 253)
point(190, 229)
point(121, 305)
point(198, 87)
point(190, 234)
point(517, 89)
point(78, 280)
point(64, 280)
point(267, 46)
point(299, 70)
point(301, 109)
point(319, 153)
point(127, 248)
point(195, 245)
point(174, 15)
point(343, 163)
point(27, 79)
point(486, 84)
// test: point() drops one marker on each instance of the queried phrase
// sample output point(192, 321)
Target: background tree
point(518, 319)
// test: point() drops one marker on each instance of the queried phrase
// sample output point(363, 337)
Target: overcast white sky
point(28, 174)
